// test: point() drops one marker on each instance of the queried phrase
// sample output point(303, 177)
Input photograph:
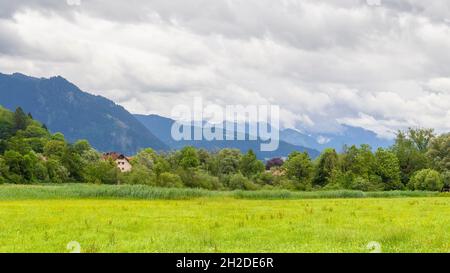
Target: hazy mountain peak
point(63, 107)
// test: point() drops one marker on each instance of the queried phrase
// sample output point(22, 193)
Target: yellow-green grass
point(225, 224)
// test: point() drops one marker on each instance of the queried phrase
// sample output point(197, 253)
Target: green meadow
point(144, 219)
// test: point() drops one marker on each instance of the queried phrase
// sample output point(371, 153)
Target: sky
point(382, 65)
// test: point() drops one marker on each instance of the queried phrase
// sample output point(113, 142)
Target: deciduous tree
point(439, 153)
point(298, 166)
point(426, 180)
point(388, 169)
point(250, 165)
point(327, 165)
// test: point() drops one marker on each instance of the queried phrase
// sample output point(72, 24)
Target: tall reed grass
point(86, 191)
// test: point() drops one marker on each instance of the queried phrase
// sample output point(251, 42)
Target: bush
point(138, 175)
point(3, 170)
point(265, 178)
point(240, 182)
point(446, 179)
point(206, 181)
point(373, 183)
point(285, 184)
point(102, 172)
point(40, 172)
point(57, 173)
point(15, 179)
point(361, 184)
point(199, 179)
point(145, 158)
point(13, 161)
point(350, 181)
point(187, 177)
point(169, 180)
point(426, 180)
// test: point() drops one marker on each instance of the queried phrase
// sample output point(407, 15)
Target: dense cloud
point(383, 67)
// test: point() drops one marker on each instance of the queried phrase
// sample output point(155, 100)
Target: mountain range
point(161, 127)
point(349, 135)
point(64, 108)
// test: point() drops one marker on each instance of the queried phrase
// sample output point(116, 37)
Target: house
point(122, 161)
point(276, 171)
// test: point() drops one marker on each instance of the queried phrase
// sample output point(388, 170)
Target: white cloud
point(324, 62)
point(73, 2)
point(323, 140)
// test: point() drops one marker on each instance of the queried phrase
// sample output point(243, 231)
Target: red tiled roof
point(114, 156)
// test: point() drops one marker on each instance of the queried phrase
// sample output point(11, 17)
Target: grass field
point(43, 219)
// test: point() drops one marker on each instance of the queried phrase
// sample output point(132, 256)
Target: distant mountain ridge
point(348, 136)
point(64, 108)
point(289, 138)
point(161, 127)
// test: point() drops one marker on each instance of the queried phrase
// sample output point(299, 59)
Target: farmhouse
point(277, 172)
point(122, 161)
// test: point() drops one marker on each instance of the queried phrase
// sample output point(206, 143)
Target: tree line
point(418, 160)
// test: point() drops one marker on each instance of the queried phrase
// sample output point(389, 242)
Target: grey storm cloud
point(330, 62)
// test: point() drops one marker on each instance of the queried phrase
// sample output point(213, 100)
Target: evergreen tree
point(20, 119)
